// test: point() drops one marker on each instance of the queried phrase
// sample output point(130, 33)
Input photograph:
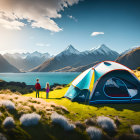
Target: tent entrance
point(119, 88)
point(75, 94)
point(82, 96)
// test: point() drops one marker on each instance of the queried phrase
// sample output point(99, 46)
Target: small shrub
point(136, 129)
point(129, 137)
point(64, 109)
point(106, 123)
point(8, 104)
point(29, 119)
point(90, 122)
point(9, 122)
point(2, 137)
point(33, 108)
point(117, 121)
point(31, 90)
point(80, 125)
point(94, 133)
point(62, 121)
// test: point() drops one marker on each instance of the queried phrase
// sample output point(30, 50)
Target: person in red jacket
point(37, 87)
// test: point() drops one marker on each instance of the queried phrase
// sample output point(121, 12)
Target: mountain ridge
point(74, 58)
point(5, 66)
point(26, 61)
point(130, 59)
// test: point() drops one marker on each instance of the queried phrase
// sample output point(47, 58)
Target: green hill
point(80, 117)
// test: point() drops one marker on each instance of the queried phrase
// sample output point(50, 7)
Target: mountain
point(68, 51)
point(130, 59)
point(74, 58)
point(6, 67)
point(26, 61)
point(76, 69)
point(128, 50)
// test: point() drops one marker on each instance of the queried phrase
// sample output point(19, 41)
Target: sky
point(52, 25)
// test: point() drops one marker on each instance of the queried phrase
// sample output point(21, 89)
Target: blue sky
point(117, 23)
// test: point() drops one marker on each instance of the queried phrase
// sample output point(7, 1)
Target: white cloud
point(72, 17)
point(97, 33)
point(8, 22)
point(38, 13)
point(42, 45)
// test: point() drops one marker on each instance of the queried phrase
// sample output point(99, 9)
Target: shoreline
point(23, 88)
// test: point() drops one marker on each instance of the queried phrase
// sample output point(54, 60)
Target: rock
point(80, 125)
point(2, 137)
point(90, 122)
point(117, 120)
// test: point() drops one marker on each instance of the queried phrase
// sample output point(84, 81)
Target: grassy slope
point(137, 73)
point(128, 113)
point(44, 130)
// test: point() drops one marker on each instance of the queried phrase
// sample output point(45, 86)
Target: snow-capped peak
point(69, 50)
point(101, 49)
point(29, 55)
point(36, 53)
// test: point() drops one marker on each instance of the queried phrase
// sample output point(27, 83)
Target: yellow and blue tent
point(106, 82)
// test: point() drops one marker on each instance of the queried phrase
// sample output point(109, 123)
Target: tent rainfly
point(105, 82)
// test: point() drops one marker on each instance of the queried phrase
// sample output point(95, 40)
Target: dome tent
point(106, 82)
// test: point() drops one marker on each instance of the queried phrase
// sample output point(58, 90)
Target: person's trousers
point(37, 93)
point(47, 95)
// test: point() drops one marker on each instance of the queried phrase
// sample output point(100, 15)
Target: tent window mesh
point(115, 87)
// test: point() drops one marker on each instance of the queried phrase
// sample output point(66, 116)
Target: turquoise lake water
point(30, 77)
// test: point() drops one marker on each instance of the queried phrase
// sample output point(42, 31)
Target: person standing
point(47, 90)
point(37, 87)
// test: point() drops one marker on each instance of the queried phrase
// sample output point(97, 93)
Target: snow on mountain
point(28, 55)
point(130, 49)
point(5, 66)
point(68, 57)
point(35, 54)
point(68, 51)
point(85, 52)
point(15, 55)
point(103, 49)
point(71, 57)
point(130, 59)
point(26, 61)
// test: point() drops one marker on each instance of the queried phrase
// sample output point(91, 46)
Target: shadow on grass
point(117, 106)
point(52, 98)
point(14, 112)
point(129, 137)
point(53, 132)
point(121, 107)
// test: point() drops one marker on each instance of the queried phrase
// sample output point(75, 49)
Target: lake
point(30, 77)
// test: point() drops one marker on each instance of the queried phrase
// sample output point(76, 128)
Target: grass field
point(137, 73)
point(124, 116)
point(44, 130)
point(128, 114)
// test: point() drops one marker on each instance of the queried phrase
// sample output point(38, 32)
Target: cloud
point(13, 25)
point(97, 33)
point(37, 13)
point(42, 45)
point(72, 17)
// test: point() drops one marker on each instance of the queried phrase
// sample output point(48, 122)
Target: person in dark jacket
point(37, 87)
